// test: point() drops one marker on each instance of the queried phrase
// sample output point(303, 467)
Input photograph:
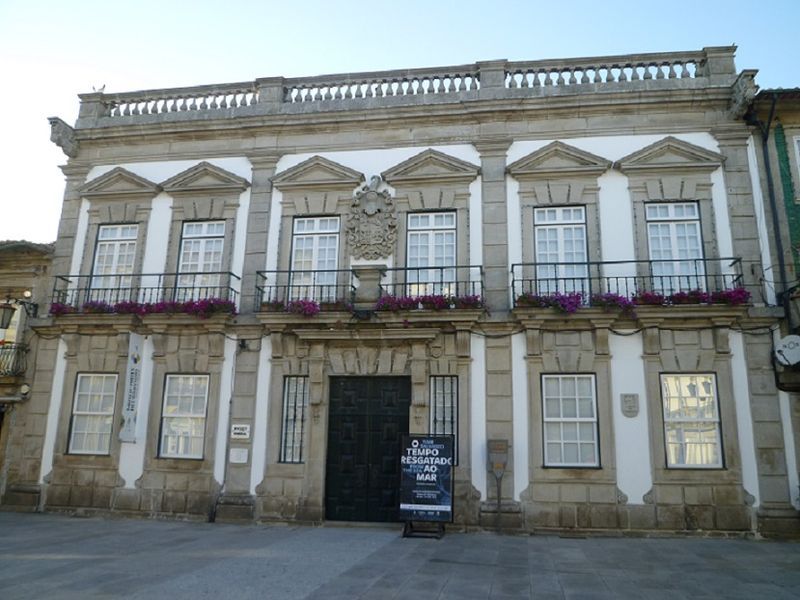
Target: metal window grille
point(295, 404)
point(444, 408)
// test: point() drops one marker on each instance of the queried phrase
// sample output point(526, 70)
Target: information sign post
point(426, 484)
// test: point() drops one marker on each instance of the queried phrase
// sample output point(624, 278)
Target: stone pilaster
point(257, 225)
point(495, 223)
point(767, 426)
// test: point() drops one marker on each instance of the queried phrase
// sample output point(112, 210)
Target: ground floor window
point(691, 421)
point(570, 421)
point(444, 408)
point(295, 404)
point(183, 421)
point(92, 414)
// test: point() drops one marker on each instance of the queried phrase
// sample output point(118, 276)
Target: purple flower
point(307, 308)
point(611, 300)
point(58, 309)
point(97, 307)
point(734, 297)
point(649, 298)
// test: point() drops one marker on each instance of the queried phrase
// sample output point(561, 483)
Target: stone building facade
point(260, 287)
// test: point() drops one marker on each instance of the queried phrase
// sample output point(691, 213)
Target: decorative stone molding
point(119, 183)
point(372, 224)
point(622, 498)
point(204, 178)
point(649, 497)
point(743, 92)
point(318, 173)
point(63, 136)
point(670, 155)
point(431, 166)
point(558, 160)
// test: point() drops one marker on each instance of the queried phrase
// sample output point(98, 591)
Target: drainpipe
point(764, 128)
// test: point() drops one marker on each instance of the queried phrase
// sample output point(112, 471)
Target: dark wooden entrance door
point(368, 417)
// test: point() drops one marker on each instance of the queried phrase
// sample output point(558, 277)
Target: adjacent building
point(258, 288)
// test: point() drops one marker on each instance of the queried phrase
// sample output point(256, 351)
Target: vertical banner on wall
point(426, 484)
point(132, 393)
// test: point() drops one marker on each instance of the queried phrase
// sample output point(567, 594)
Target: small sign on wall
point(630, 405)
point(240, 431)
point(238, 456)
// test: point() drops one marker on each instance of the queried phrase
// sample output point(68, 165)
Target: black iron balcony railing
point(77, 291)
point(627, 278)
point(13, 361)
point(456, 281)
point(276, 289)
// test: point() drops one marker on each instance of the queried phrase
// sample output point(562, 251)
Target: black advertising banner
point(426, 484)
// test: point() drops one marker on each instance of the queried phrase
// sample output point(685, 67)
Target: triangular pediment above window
point(120, 182)
point(205, 178)
point(558, 160)
point(431, 166)
point(318, 172)
point(670, 154)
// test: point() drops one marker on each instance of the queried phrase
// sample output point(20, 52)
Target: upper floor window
point(315, 258)
point(570, 421)
point(200, 262)
point(114, 257)
point(92, 414)
point(675, 245)
point(431, 255)
point(691, 421)
point(560, 250)
point(183, 417)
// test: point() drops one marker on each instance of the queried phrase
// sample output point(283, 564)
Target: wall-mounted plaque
point(630, 405)
point(238, 456)
point(240, 431)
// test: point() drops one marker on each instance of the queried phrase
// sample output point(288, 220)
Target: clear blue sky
point(52, 50)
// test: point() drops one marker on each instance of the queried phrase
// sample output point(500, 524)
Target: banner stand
point(410, 530)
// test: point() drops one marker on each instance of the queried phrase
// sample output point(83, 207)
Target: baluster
point(672, 73)
point(635, 72)
point(214, 104)
point(572, 79)
point(203, 102)
point(623, 76)
point(660, 71)
point(647, 70)
point(191, 103)
point(597, 77)
point(585, 75)
point(685, 70)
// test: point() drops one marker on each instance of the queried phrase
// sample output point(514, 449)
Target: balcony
point(13, 361)
point(376, 286)
point(677, 281)
point(330, 288)
point(117, 293)
point(465, 281)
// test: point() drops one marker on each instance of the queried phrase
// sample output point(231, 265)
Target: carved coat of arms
point(372, 226)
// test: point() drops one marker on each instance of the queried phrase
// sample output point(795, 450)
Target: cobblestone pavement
point(54, 557)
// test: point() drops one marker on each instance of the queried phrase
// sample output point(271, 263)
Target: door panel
point(368, 417)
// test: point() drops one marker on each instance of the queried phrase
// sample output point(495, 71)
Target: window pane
point(691, 421)
point(92, 414)
point(184, 416)
point(570, 416)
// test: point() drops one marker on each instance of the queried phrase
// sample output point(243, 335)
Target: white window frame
point(192, 417)
point(571, 275)
point(319, 282)
point(677, 273)
point(444, 408)
point(682, 423)
point(98, 422)
point(551, 421)
point(437, 226)
point(293, 422)
point(199, 278)
point(110, 277)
